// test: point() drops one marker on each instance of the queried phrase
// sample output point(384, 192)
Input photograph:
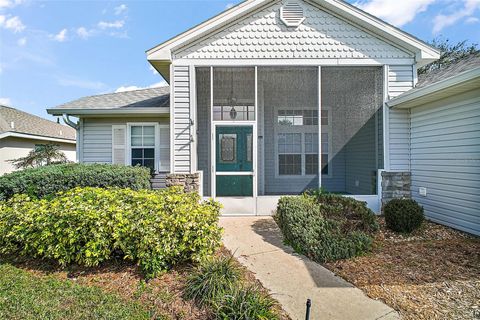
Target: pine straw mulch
point(162, 296)
point(434, 273)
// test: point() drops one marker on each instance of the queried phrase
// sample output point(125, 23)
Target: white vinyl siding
point(181, 119)
point(445, 159)
point(400, 80)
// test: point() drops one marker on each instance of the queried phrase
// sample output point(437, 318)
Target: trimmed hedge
point(156, 229)
point(326, 227)
point(403, 215)
point(48, 180)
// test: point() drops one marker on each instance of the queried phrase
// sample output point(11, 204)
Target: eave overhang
point(109, 112)
point(34, 137)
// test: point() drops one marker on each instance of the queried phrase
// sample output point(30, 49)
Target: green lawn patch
point(27, 296)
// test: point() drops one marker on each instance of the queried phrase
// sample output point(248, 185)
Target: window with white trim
point(142, 143)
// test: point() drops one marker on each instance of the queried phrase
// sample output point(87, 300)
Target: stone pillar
point(395, 185)
point(189, 181)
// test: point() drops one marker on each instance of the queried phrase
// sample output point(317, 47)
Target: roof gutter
point(410, 98)
point(66, 119)
point(120, 111)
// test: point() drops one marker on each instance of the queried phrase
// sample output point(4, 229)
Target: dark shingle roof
point(143, 98)
point(13, 120)
point(462, 65)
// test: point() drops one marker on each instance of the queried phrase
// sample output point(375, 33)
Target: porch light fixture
point(233, 101)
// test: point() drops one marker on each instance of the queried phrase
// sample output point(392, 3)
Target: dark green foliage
point(43, 154)
point(403, 215)
point(212, 280)
point(156, 229)
point(449, 53)
point(246, 303)
point(326, 228)
point(48, 180)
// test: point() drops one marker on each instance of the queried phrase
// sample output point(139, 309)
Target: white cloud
point(442, 21)
point(61, 36)
point(80, 83)
point(13, 23)
point(83, 33)
point(131, 88)
point(5, 101)
point(229, 5)
point(395, 12)
point(121, 8)
point(115, 24)
point(472, 20)
point(9, 3)
point(22, 42)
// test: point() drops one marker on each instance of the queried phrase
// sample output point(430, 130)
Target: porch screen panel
point(233, 94)
point(203, 126)
point(288, 129)
point(353, 147)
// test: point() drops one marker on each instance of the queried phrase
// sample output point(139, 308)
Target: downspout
point(75, 126)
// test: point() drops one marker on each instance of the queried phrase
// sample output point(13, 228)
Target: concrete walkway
point(292, 278)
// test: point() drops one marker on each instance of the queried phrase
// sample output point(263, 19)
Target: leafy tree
point(449, 53)
point(43, 154)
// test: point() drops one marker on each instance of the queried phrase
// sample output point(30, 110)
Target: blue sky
point(52, 52)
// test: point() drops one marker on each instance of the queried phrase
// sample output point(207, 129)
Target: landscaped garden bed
point(432, 273)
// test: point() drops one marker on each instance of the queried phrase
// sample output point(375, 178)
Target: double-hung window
point(142, 142)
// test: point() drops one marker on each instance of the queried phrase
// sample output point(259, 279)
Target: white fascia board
point(408, 99)
point(163, 50)
point(119, 111)
point(34, 136)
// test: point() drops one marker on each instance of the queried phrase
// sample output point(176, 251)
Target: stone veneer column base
point(396, 185)
point(189, 181)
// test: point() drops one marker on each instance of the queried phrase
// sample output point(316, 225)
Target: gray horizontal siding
point(400, 80)
point(181, 120)
point(97, 137)
point(445, 159)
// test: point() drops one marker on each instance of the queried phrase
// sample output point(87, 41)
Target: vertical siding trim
point(172, 118)
point(182, 134)
point(386, 133)
point(193, 128)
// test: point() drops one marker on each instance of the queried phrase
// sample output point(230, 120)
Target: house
point(20, 132)
point(444, 129)
point(271, 97)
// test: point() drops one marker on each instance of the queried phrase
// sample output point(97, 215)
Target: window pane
point(137, 162)
point(311, 142)
point(136, 130)
point(289, 143)
point(228, 152)
point(149, 153)
point(137, 153)
point(149, 141)
point(249, 147)
point(136, 141)
point(311, 164)
point(149, 163)
point(149, 131)
point(290, 164)
point(325, 164)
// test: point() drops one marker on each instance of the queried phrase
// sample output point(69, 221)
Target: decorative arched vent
point(291, 14)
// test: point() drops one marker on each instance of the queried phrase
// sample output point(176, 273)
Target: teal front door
point(234, 161)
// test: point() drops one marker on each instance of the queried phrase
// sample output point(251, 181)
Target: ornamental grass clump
point(326, 227)
point(87, 226)
point(403, 215)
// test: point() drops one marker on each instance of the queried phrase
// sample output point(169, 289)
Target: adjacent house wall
point(445, 159)
point(14, 148)
point(96, 136)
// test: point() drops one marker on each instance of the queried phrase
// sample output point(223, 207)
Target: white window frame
point(156, 145)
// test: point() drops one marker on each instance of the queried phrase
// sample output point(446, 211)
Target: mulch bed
point(434, 273)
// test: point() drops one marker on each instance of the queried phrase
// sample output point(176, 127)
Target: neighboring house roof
point(18, 123)
point(153, 100)
point(459, 77)
point(160, 55)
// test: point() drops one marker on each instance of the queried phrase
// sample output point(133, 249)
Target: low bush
point(327, 228)
point(212, 280)
point(156, 229)
point(48, 180)
point(403, 215)
point(246, 303)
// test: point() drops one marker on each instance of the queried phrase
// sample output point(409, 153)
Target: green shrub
point(48, 180)
point(319, 231)
point(212, 280)
point(156, 229)
point(403, 215)
point(246, 303)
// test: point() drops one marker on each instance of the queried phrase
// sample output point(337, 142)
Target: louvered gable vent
point(291, 14)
